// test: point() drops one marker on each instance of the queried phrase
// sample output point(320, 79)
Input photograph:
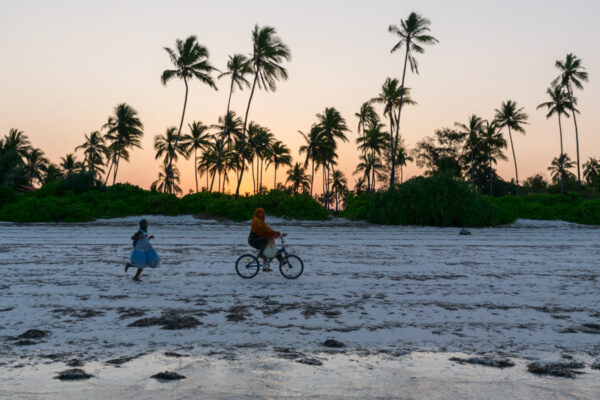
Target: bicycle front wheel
point(291, 267)
point(247, 266)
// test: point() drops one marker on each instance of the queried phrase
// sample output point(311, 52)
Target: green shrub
point(7, 195)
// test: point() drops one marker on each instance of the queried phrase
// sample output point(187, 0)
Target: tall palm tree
point(279, 156)
point(167, 184)
point(298, 179)
point(50, 172)
point(492, 142)
point(93, 152)
point(35, 163)
point(373, 141)
point(190, 60)
point(414, 34)
point(572, 74)
point(559, 169)
point(18, 141)
point(513, 118)
point(403, 157)
point(366, 116)
point(197, 139)
point(339, 186)
point(471, 131)
point(268, 52)
point(70, 165)
point(333, 126)
point(124, 131)
point(591, 170)
point(167, 145)
point(559, 104)
point(237, 68)
point(392, 95)
point(313, 141)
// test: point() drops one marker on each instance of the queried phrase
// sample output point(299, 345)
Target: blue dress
point(143, 255)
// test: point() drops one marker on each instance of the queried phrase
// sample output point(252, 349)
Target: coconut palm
point(167, 183)
point(50, 173)
point(298, 179)
point(13, 151)
point(572, 74)
point(559, 169)
point(414, 34)
point(69, 165)
point(373, 142)
point(392, 95)
point(366, 116)
point(339, 186)
point(124, 131)
point(197, 139)
point(190, 60)
point(279, 156)
point(35, 161)
point(93, 152)
point(559, 104)
point(492, 143)
point(18, 141)
point(471, 132)
point(167, 145)
point(591, 170)
point(513, 118)
point(403, 157)
point(237, 68)
point(268, 52)
point(313, 142)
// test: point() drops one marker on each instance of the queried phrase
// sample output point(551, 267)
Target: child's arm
point(137, 235)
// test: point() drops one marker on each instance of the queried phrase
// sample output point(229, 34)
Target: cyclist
point(262, 235)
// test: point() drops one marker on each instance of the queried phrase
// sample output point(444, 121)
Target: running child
point(142, 255)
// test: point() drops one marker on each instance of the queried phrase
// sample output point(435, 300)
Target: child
point(142, 255)
point(261, 235)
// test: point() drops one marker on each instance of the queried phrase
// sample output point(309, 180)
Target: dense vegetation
point(61, 201)
point(440, 200)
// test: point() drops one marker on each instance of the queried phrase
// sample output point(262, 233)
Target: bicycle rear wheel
point(293, 268)
point(247, 266)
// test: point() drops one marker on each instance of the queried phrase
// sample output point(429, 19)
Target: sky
point(66, 65)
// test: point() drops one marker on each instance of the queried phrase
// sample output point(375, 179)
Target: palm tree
point(591, 170)
point(333, 126)
point(191, 61)
point(559, 168)
point(372, 143)
point(402, 158)
point(237, 68)
point(392, 95)
point(471, 131)
point(18, 141)
point(559, 104)
point(93, 151)
point(125, 131)
point(314, 141)
point(167, 183)
point(70, 165)
point(35, 163)
point(279, 156)
point(366, 116)
point(297, 178)
point(166, 145)
point(511, 117)
point(572, 73)
point(50, 173)
point(197, 139)
point(13, 152)
point(267, 55)
point(492, 142)
point(414, 34)
point(339, 186)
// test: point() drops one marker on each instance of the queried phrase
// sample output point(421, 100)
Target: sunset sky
point(66, 64)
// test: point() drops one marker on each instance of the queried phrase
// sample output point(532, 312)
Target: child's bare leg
point(137, 275)
point(127, 266)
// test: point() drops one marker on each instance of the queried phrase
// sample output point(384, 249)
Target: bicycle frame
point(281, 251)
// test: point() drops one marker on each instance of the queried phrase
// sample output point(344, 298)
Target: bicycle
point(291, 266)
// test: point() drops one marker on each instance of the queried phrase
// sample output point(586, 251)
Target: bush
point(440, 200)
point(7, 195)
point(65, 201)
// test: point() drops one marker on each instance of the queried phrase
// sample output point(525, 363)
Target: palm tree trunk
point(395, 145)
point(253, 178)
point(401, 174)
point(312, 177)
point(275, 178)
point(515, 159)
point(576, 138)
point(392, 147)
point(169, 169)
point(562, 176)
point(109, 169)
point(237, 190)
point(196, 169)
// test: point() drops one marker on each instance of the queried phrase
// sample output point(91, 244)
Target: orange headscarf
point(259, 227)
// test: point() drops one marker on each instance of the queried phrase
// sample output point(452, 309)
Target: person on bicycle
point(262, 235)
